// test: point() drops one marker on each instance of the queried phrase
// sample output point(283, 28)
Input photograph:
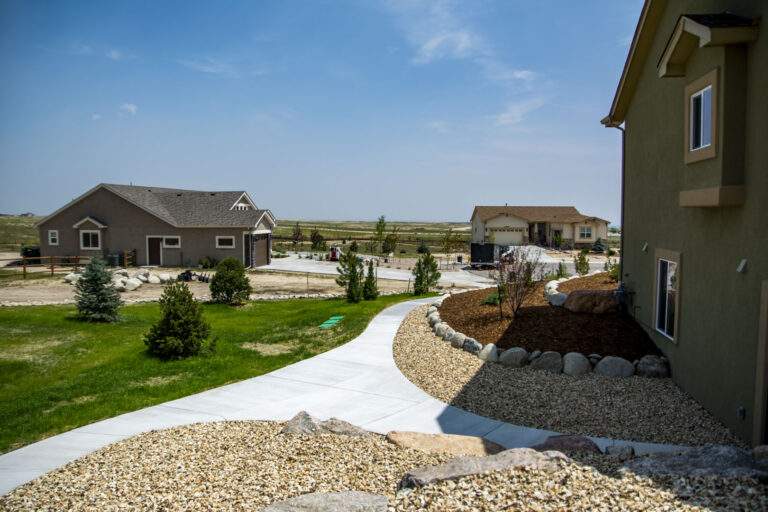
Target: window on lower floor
point(666, 300)
point(53, 237)
point(171, 242)
point(90, 239)
point(585, 232)
point(225, 242)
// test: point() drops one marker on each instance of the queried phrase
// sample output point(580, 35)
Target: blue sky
point(321, 110)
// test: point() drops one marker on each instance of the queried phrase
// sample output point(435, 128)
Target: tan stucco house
point(692, 105)
point(160, 226)
point(541, 225)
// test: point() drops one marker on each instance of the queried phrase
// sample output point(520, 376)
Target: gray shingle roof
point(189, 208)
point(565, 214)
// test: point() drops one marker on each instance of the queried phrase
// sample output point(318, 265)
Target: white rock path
point(357, 382)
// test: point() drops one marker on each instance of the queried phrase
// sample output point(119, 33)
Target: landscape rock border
point(572, 363)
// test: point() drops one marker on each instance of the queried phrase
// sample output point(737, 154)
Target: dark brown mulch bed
point(540, 326)
point(595, 282)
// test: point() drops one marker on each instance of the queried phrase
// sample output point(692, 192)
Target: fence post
point(24, 266)
point(53, 260)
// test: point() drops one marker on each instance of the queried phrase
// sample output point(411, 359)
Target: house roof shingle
point(189, 208)
point(565, 214)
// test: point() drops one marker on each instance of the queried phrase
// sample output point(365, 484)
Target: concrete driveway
point(293, 263)
point(357, 382)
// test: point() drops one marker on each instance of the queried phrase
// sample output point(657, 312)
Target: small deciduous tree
point(317, 240)
point(390, 241)
point(612, 267)
point(425, 274)
point(581, 263)
point(381, 226)
point(181, 331)
point(96, 298)
point(370, 289)
point(350, 277)
point(452, 241)
point(519, 270)
point(297, 236)
point(230, 285)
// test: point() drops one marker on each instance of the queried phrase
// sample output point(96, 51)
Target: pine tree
point(230, 285)
point(95, 295)
point(181, 330)
point(423, 247)
point(370, 290)
point(425, 274)
point(599, 246)
point(581, 264)
point(350, 276)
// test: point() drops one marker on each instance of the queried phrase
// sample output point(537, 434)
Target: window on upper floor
point(243, 207)
point(701, 118)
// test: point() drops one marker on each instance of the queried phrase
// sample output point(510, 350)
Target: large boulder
point(534, 355)
point(120, 272)
point(558, 298)
point(153, 279)
point(444, 443)
point(448, 334)
point(548, 361)
point(592, 301)
point(433, 319)
point(431, 309)
point(652, 366)
point(440, 329)
point(465, 466)
point(620, 452)
point(514, 357)
point(702, 461)
point(457, 340)
point(472, 346)
point(344, 501)
point(575, 364)
point(612, 366)
point(165, 277)
point(141, 277)
point(304, 424)
point(131, 284)
point(72, 278)
point(568, 444)
point(489, 353)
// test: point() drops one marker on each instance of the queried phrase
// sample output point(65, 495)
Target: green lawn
point(57, 373)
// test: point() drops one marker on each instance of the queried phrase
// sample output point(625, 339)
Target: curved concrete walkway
point(357, 382)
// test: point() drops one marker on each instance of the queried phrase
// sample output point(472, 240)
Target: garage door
point(260, 250)
point(508, 238)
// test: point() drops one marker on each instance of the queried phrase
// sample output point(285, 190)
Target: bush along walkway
point(357, 382)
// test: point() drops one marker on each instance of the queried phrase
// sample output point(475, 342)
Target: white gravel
point(635, 408)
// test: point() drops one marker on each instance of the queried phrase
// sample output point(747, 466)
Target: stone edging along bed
point(572, 363)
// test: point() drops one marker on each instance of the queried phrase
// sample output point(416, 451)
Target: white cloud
point(515, 112)
point(438, 126)
point(210, 65)
point(95, 117)
point(459, 44)
point(113, 54)
point(129, 108)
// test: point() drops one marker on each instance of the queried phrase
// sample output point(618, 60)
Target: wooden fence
point(55, 264)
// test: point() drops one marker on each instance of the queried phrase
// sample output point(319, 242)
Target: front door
point(154, 257)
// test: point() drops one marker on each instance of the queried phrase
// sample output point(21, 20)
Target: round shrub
point(182, 330)
point(230, 285)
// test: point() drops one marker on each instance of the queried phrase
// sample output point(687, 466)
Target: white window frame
point(658, 288)
point(53, 233)
point(175, 237)
point(581, 232)
point(90, 231)
point(692, 123)
point(219, 246)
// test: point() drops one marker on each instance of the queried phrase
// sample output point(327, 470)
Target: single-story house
point(691, 105)
point(540, 225)
point(160, 226)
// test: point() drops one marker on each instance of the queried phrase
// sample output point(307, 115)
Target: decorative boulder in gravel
point(652, 366)
point(558, 298)
point(433, 319)
point(549, 361)
point(120, 272)
point(592, 301)
point(307, 425)
point(575, 364)
point(472, 346)
point(72, 278)
point(441, 328)
point(141, 277)
point(568, 444)
point(131, 284)
point(594, 358)
point(514, 357)
point(489, 353)
point(344, 501)
point(620, 452)
point(447, 334)
point(153, 279)
point(760, 453)
point(612, 366)
point(457, 340)
point(702, 461)
point(465, 466)
point(432, 309)
point(534, 355)
point(451, 444)
point(165, 277)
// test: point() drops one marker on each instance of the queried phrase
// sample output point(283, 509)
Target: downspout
point(623, 196)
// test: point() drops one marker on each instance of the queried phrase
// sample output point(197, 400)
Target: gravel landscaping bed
point(633, 408)
point(539, 326)
point(247, 465)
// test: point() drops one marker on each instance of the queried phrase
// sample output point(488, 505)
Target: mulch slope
point(539, 326)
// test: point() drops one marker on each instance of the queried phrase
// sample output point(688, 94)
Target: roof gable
point(564, 214)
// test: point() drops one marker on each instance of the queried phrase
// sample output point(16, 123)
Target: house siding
point(128, 227)
point(714, 355)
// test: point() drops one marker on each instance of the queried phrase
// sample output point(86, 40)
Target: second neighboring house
point(160, 226)
point(692, 103)
point(540, 225)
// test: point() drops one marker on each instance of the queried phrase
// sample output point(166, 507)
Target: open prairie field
point(16, 231)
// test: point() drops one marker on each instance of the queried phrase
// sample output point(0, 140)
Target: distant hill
point(18, 230)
